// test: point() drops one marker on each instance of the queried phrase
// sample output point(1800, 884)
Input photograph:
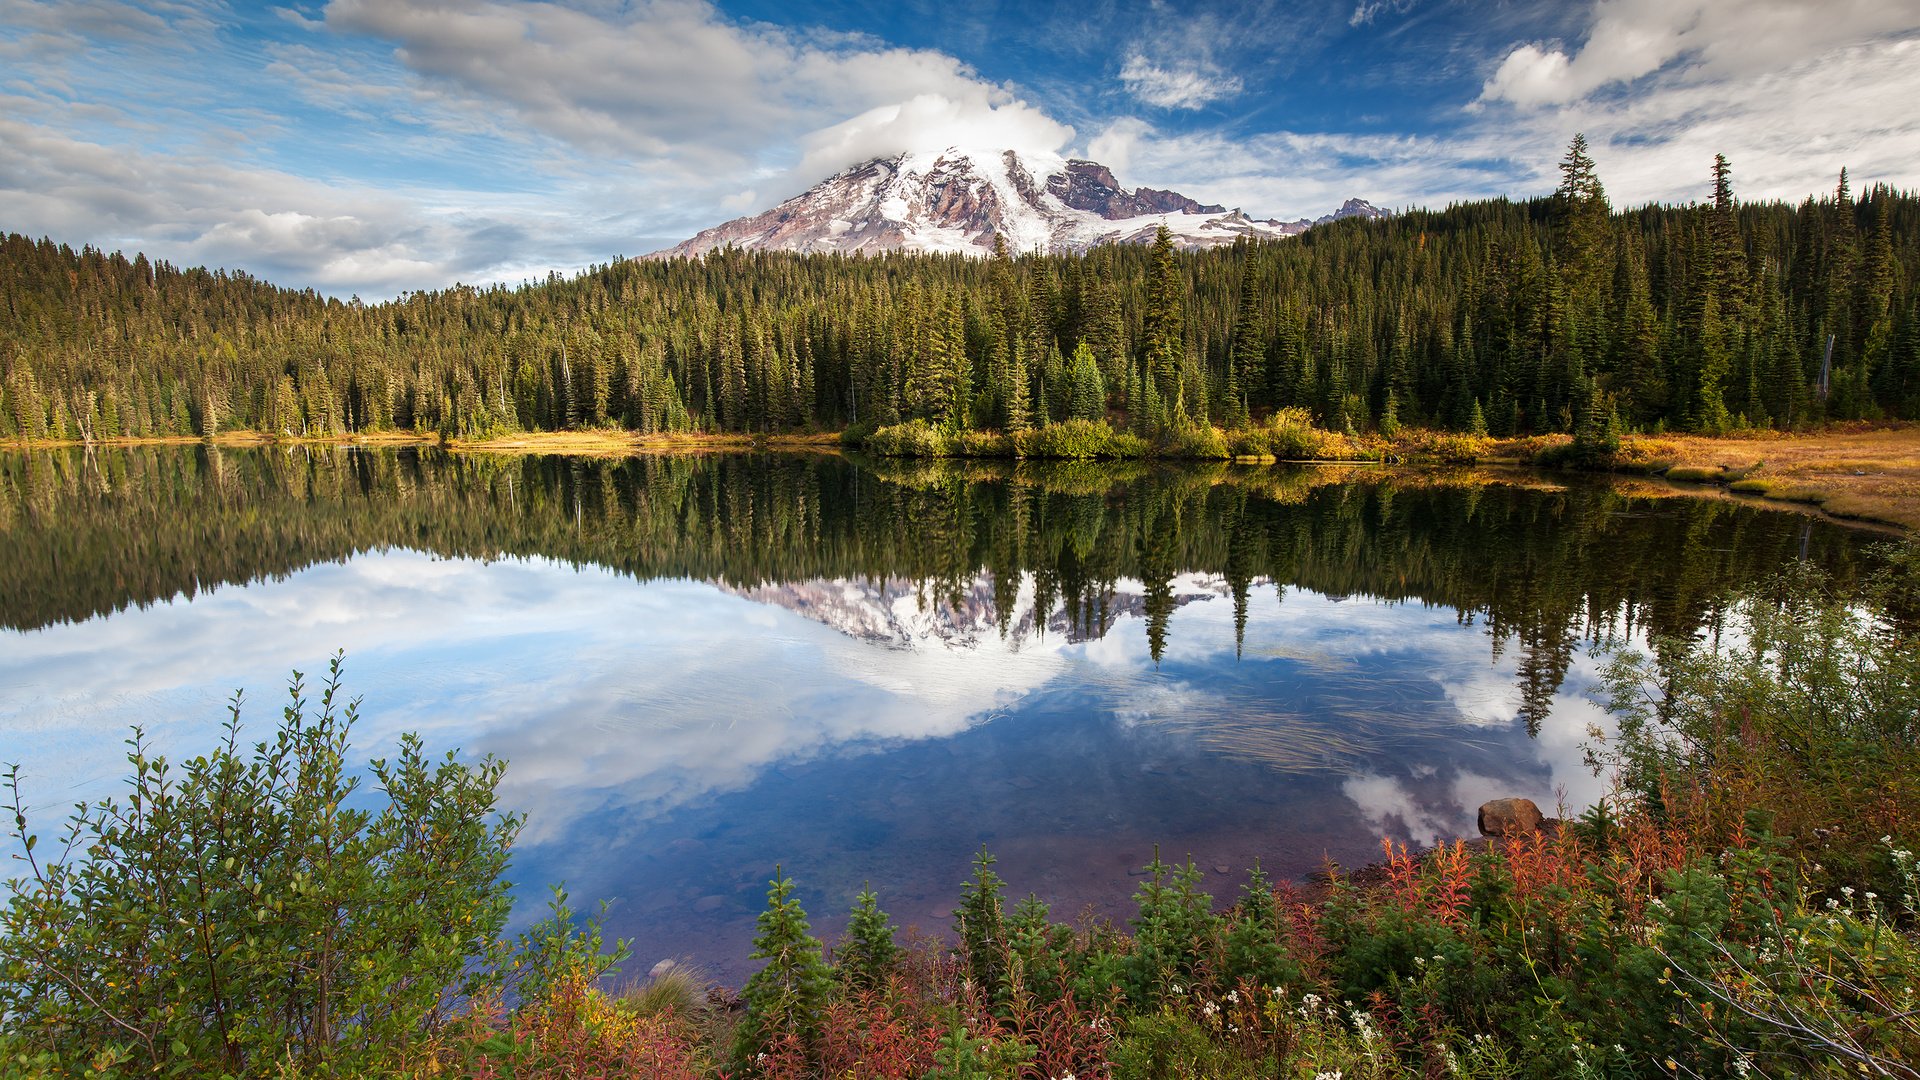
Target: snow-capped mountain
point(959, 200)
point(898, 613)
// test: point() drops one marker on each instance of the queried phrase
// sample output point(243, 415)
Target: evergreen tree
point(1089, 396)
point(787, 996)
point(868, 957)
point(979, 923)
point(1165, 327)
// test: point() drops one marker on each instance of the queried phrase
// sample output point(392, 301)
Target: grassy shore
point(1863, 473)
point(1868, 473)
point(614, 443)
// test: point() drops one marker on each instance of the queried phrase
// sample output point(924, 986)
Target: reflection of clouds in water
point(1466, 690)
point(598, 690)
point(608, 694)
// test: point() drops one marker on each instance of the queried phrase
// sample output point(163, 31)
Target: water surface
point(699, 667)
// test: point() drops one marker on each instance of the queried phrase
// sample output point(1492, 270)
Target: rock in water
point(1510, 817)
point(662, 968)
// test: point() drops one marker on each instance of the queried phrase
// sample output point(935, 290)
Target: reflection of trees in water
point(1539, 569)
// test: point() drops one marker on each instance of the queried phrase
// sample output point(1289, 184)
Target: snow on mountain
point(958, 200)
point(897, 613)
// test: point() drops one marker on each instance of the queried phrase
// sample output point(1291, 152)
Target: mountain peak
point(960, 198)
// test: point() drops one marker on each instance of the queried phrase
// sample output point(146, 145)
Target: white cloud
point(1369, 10)
point(1629, 39)
point(1292, 174)
point(982, 118)
point(1713, 78)
point(480, 142)
point(1175, 87)
point(673, 82)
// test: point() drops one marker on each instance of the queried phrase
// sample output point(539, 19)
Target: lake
point(702, 666)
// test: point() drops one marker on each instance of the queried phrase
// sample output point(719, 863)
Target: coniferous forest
point(1497, 316)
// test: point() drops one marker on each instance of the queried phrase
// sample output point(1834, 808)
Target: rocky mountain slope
point(959, 200)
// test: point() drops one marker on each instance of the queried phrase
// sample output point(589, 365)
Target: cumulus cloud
point(1629, 39)
point(983, 117)
point(1787, 93)
point(426, 142)
point(674, 80)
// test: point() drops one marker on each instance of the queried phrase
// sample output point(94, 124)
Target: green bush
point(983, 444)
point(1077, 439)
point(242, 912)
point(1195, 441)
point(914, 438)
point(1291, 436)
point(1171, 1046)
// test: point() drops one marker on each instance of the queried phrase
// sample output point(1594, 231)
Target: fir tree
point(787, 996)
point(1165, 333)
point(868, 957)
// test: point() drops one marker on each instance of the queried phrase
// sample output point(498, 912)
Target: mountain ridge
point(960, 200)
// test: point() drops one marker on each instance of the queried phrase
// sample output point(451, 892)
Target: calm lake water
point(699, 667)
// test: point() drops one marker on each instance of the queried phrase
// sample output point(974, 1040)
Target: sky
point(376, 147)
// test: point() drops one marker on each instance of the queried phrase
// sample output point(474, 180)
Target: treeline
point(1508, 317)
point(1540, 570)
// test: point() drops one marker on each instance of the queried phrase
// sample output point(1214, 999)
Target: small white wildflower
point(1330, 1074)
point(1210, 1009)
point(1847, 891)
point(1233, 996)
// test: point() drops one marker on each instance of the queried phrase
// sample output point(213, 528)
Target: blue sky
point(381, 146)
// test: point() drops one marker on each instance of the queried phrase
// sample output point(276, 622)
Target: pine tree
point(1249, 360)
point(1256, 944)
point(1580, 218)
point(1089, 393)
point(979, 923)
point(867, 959)
point(788, 995)
point(1165, 326)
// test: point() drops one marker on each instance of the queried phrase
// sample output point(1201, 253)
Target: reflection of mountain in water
point(900, 613)
point(1539, 569)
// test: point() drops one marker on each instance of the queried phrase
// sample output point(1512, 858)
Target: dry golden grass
point(1868, 473)
point(230, 438)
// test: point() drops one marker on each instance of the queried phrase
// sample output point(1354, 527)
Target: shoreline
point(1859, 474)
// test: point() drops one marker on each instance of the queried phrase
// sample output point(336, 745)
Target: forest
point(1540, 571)
point(1503, 317)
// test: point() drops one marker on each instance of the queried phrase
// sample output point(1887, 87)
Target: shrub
point(982, 444)
point(914, 438)
point(1195, 441)
point(1077, 439)
point(1291, 436)
point(240, 912)
point(680, 990)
